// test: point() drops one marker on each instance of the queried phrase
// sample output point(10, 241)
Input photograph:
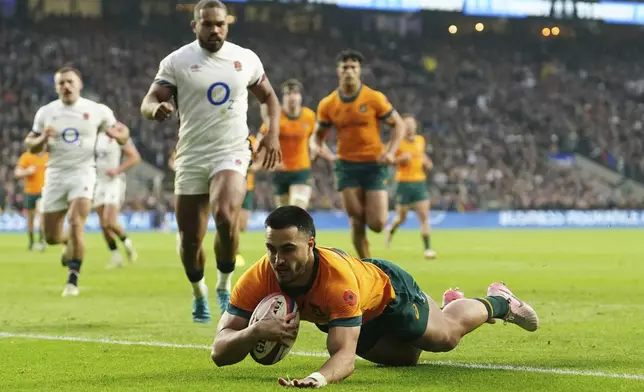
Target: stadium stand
point(503, 116)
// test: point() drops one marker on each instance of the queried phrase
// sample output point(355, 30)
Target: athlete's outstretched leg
point(227, 191)
point(192, 222)
point(446, 328)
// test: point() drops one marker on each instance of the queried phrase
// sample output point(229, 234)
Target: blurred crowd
point(492, 108)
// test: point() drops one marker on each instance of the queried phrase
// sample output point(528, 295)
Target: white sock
point(128, 243)
point(224, 280)
point(199, 289)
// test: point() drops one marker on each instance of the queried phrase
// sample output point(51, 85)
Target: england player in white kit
point(70, 126)
point(209, 79)
point(110, 192)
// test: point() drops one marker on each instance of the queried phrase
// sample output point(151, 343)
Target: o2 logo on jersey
point(219, 94)
point(70, 135)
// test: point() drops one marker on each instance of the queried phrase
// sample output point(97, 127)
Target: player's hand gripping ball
point(278, 319)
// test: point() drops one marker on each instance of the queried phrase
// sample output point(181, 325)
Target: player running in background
point(368, 307)
point(292, 180)
point(411, 163)
point(31, 167)
point(356, 111)
point(209, 79)
point(110, 192)
point(70, 125)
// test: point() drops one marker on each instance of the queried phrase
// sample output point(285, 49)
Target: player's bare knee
point(223, 214)
point(75, 223)
point(52, 238)
point(377, 225)
point(189, 243)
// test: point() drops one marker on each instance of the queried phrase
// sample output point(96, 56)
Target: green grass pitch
point(131, 329)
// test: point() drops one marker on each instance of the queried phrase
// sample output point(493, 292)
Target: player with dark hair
point(411, 163)
point(209, 80)
point(368, 307)
point(292, 181)
point(70, 127)
point(357, 111)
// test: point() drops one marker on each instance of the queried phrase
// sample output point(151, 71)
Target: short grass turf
point(588, 287)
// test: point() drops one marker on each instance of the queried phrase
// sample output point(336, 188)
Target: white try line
point(465, 365)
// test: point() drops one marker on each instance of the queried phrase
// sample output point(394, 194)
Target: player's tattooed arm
point(155, 105)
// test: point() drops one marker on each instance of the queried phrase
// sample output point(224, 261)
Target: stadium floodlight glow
point(452, 29)
point(545, 32)
point(479, 27)
point(555, 30)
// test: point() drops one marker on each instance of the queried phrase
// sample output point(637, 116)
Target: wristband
point(317, 376)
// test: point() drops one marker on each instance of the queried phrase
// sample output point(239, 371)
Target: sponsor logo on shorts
point(416, 312)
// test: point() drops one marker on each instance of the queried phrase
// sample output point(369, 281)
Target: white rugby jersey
point(212, 98)
point(77, 127)
point(108, 155)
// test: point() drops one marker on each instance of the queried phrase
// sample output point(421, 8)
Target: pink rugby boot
point(451, 295)
point(520, 312)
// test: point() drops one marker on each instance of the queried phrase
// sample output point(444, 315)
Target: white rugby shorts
point(109, 191)
point(195, 179)
point(61, 187)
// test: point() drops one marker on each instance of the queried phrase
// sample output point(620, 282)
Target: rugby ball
point(270, 352)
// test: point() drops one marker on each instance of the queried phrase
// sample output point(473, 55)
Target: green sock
point(497, 307)
point(426, 241)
